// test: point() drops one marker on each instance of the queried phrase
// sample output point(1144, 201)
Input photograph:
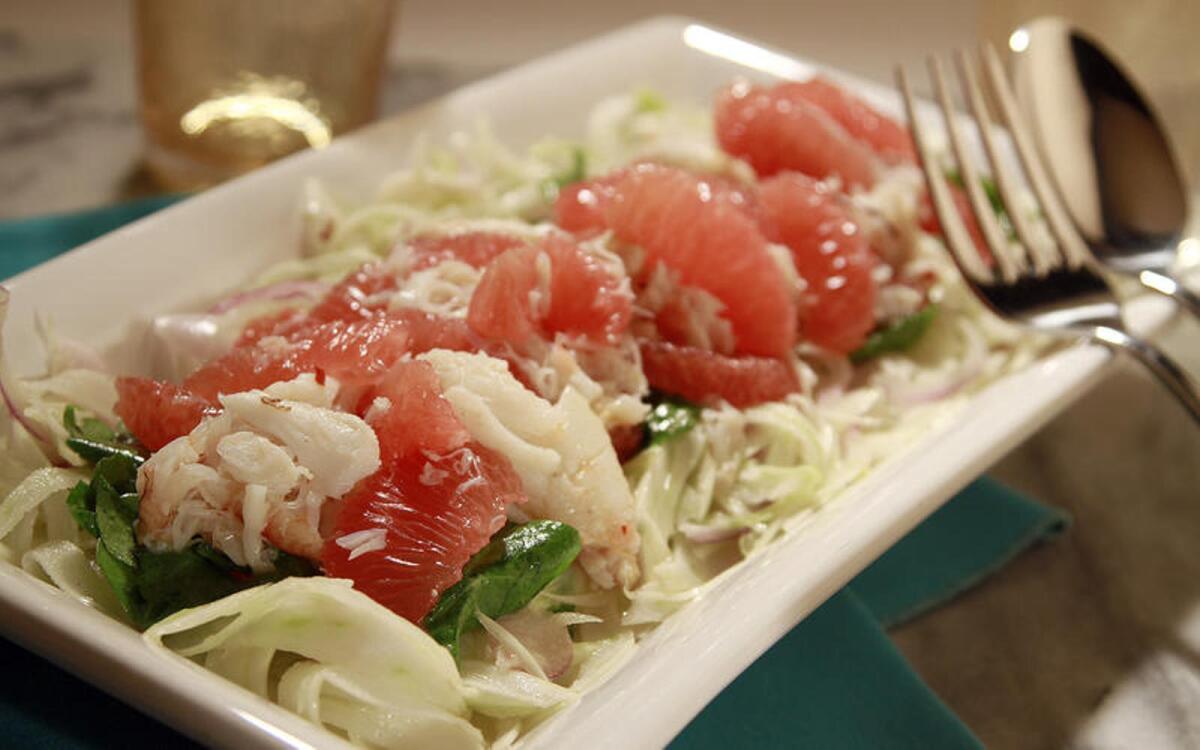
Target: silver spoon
point(1107, 152)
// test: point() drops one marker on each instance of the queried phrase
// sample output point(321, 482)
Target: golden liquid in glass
point(229, 85)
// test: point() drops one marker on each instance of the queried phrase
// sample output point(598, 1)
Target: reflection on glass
point(229, 85)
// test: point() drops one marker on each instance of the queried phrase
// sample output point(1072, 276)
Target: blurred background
point(68, 68)
point(1093, 641)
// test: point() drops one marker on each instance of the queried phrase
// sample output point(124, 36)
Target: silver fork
point(1057, 289)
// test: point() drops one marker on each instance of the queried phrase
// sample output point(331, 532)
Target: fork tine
point(1009, 266)
point(958, 242)
point(1043, 259)
point(1075, 252)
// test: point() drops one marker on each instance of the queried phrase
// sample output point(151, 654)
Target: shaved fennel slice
point(66, 566)
point(381, 668)
point(325, 696)
point(510, 693)
point(606, 657)
point(513, 644)
point(26, 498)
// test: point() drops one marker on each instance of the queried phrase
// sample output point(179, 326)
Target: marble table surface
point(1090, 642)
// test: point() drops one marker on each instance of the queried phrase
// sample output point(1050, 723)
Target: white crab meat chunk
point(561, 451)
point(260, 472)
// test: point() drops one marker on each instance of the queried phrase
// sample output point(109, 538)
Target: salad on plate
point(433, 479)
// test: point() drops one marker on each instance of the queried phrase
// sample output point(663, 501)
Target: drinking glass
point(229, 85)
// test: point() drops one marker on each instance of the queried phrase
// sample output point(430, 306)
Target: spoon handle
point(1168, 285)
point(1169, 373)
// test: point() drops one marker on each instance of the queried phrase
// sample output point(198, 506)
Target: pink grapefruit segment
point(705, 377)
point(356, 352)
point(929, 221)
point(438, 498)
point(582, 207)
point(476, 249)
point(156, 412)
point(707, 238)
point(549, 288)
point(775, 131)
point(831, 254)
point(885, 136)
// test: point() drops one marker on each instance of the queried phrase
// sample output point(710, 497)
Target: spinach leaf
point(151, 585)
point(992, 191)
point(93, 452)
point(83, 509)
point(91, 429)
point(897, 337)
point(123, 579)
point(167, 582)
point(114, 477)
point(648, 100)
point(576, 172)
point(670, 418)
point(519, 564)
point(286, 566)
point(115, 522)
point(120, 472)
point(94, 440)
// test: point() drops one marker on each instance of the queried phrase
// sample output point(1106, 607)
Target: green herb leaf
point(992, 191)
point(122, 579)
point(115, 522)
point(670, 418)
point(93, 452)
point(82, 506)
point(287, 566)
point(119, 471)
point(91, 429)
point(897, 337)
point(648, 100)
point(94, 440)
point(167, 582)
point(519, 565)
point(576, 172)
point(151, 585)
point(129, 503)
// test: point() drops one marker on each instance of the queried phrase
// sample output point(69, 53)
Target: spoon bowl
point(1108, 154)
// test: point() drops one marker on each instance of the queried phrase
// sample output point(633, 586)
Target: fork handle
point(1170, 374)
point(1171, 287)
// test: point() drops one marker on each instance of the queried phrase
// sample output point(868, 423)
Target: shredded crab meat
point(261, 471)
point(561, 451)
point(362, 542)
point(694, 314)
point(444, 289)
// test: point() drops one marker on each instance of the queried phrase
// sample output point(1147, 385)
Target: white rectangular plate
point(193, 251)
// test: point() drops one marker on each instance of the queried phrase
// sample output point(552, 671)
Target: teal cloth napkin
point(834, 681)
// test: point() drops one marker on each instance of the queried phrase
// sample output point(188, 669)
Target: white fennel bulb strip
point(325, 696)
point(510, 693)
point(380, 660)
point(31, 493)
point(509, 641)
point(65, 565)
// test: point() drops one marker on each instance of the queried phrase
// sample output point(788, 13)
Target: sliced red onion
point(77, 354)
point(9, 404)
point(711, 534)
point(935, 393)
point(545, 638)
point(970, 370)
point(305, 290)
point(973, 363)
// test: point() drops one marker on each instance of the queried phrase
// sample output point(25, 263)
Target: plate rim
point(64, 634)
